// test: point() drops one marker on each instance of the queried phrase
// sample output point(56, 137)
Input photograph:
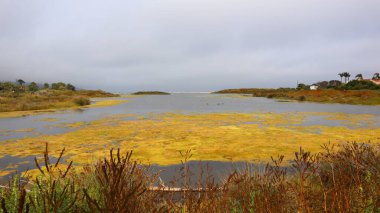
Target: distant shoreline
point(353, 97)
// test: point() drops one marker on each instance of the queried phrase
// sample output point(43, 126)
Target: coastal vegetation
point(22, 97)
point(359, 91)
point(150, 93)
point(337, 179)
point(357, 97)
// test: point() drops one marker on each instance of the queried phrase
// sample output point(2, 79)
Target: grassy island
point(150, 93)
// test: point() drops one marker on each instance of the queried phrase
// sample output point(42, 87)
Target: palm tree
point(344, 74)
point(348, 75)
point(359, 77)
point(376, 76)
point(21, 82)
point(341, 77)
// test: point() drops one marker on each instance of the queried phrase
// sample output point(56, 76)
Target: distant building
point(375, 81)
point(314, 87)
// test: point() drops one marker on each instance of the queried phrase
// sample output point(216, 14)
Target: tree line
point(21, 86)
point(345, 83)
point(347, 75)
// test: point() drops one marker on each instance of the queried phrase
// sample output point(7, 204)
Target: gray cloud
point(193, 45)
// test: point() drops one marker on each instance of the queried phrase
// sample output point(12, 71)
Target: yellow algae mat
point(158, 138)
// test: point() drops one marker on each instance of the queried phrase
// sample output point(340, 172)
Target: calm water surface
point(179, 103)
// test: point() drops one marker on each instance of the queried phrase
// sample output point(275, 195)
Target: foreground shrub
point(13, 197)
point(343, 178)
point(118, 185)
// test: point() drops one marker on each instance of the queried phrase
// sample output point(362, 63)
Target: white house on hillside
point(313, 87)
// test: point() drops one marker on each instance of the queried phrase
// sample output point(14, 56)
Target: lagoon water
point(54, 123)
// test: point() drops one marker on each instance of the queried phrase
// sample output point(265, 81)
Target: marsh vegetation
point(358, 92)
point(20, 97)
point(337, 179)
point(356, 97)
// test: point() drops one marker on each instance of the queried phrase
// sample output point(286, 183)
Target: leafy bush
point(70, 87)
point(58, 86)
point(9, 87)
point(302, 98)
point(303, 87)
point(81, 101)
point(33, 87)
point(360, 85)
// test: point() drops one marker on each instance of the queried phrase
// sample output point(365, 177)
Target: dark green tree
point(33, 87)
point(20, 81)
point(359, 77)
point(46, 85)
point(70, 87)
point(361, 85)
point(376, 76)
point(302, 87)
point(58, 86)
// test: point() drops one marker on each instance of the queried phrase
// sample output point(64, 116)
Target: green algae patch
point(158, 138)
point(75, 125)
point(105, 103)
point(16, 114)
point(47, 119)
point(17, 130)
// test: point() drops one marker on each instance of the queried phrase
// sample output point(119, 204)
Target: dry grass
point(47, 99)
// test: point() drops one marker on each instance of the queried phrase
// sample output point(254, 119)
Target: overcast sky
point(187, 45)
